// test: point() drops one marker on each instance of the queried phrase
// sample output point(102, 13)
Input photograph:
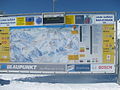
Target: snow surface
point(47, 86)
point(19, 85)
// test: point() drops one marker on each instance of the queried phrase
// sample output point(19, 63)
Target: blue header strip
point(50, 26)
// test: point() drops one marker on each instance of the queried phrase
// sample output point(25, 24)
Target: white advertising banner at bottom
point(108, 68)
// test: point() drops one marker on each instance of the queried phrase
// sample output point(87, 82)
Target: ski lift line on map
point(90, 39)
point(80, 33)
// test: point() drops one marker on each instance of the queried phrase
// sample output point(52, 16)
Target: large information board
point(58, 42)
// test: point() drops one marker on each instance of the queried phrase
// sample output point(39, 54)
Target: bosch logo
point(105, 67)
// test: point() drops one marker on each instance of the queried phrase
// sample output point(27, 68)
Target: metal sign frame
point(30, 68)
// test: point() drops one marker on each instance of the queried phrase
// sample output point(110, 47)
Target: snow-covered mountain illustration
point(43, 45)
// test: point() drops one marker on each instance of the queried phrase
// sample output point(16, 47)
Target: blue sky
point(38, 6)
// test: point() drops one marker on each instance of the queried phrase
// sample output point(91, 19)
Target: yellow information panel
point(30, 23)
point(73, 57)
point(4, 45)
point(108, 43)
point(74, 32)
point(20, 21)
point(70, 19)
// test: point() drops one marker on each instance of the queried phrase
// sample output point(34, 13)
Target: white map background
point(43, 45)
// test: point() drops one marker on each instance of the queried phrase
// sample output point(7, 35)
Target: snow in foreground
point(19, 85)
point(46, 86)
